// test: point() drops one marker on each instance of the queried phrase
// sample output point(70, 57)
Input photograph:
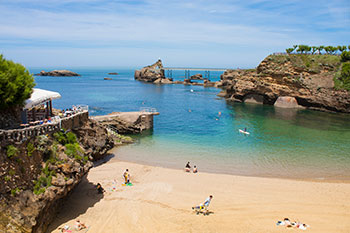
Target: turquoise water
point(282, 143)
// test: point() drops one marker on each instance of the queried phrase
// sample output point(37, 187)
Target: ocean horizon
point(197, 126)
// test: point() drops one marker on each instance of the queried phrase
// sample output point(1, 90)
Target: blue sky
point(135, 33)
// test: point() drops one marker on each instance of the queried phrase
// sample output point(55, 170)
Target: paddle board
point(242, 131)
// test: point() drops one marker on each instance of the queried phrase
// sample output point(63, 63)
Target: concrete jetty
point(128, 122)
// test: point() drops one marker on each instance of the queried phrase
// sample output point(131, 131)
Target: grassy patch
point(30, 149)
point(11, 151)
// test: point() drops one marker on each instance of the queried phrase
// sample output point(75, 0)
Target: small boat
point(242, 131)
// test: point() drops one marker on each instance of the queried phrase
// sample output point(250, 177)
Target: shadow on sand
point(104, 160)
point(205, 213)
point(82, 197)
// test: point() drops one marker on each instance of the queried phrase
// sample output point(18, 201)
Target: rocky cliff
point(57, 73)
point(306, 78)
point(37, 175)
point(152, 73)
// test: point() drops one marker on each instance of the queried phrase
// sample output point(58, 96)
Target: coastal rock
point(34, 186)
point(113, 73)
point(311, 83)
point(95, 139)
point(57, 73)
point(197, 77)
point(286, 102)
point(151, 73)
point(107, 78)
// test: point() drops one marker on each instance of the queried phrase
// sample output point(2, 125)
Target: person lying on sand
point(203, 205)
point(79, 225)
point(195, 169)
point(100, 190)
point(188, 167)
point(126, 176)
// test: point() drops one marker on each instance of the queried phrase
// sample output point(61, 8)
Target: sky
point(135, 33)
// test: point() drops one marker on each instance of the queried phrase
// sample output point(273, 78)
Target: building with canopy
point(39, 105)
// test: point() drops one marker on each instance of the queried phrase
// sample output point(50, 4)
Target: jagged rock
point(197, 77)
point(57, 73)
point(150, 73)
point(94, 138)
point(58, 180)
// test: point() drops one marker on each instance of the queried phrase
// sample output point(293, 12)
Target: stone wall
point(20, 135)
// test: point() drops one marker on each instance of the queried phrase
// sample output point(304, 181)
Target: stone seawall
point(20, 135)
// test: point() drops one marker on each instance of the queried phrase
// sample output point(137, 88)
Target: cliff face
point(307, 78)
point(37, 175)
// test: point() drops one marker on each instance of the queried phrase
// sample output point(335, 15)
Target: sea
point(197, 126)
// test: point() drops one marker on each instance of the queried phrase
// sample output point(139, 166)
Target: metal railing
point(148, 109)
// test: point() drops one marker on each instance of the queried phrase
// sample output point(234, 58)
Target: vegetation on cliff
point(16, 83)
point(305, 49)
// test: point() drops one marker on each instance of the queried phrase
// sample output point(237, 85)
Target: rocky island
point(153, 73)
point(58, 73)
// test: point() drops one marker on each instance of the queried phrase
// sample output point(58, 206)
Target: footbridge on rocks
point(128, 122)
point(188, 70)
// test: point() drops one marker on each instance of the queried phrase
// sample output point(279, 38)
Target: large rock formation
point(153, 73)
point(57, 73)
point(38, 174)
point(94, 137)
point(307, 78)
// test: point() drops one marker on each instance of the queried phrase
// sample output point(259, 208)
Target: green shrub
point(30, 149)
point(15, 191)
point(16, 83)
point(60, 137)
point(7, 178)
point(11, 151)
point(71, 138)
point(345, 56)
point(72, 149)
point(12, 172)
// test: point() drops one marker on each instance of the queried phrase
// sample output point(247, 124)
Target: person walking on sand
point(126, 176)
point(204, 205)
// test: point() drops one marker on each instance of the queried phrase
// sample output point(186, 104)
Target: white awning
point(40, 96)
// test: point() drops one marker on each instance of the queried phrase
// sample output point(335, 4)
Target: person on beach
point(126, 176)
point(100, 190)
point(195, 169)
point(204, 205)
point(79, 225)
point(188, 167)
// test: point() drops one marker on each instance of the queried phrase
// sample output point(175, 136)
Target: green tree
point(289, 50)
point(345, 56)
point(342, 48)
point(16, 83)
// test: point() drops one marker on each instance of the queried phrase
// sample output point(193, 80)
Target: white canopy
point(40, 96)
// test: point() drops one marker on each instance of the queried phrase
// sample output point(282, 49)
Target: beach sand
point(161, 201)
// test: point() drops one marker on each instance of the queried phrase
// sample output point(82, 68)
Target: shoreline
point(161, 200)
point(345, 180)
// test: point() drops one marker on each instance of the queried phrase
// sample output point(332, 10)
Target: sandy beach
point(161, 201)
